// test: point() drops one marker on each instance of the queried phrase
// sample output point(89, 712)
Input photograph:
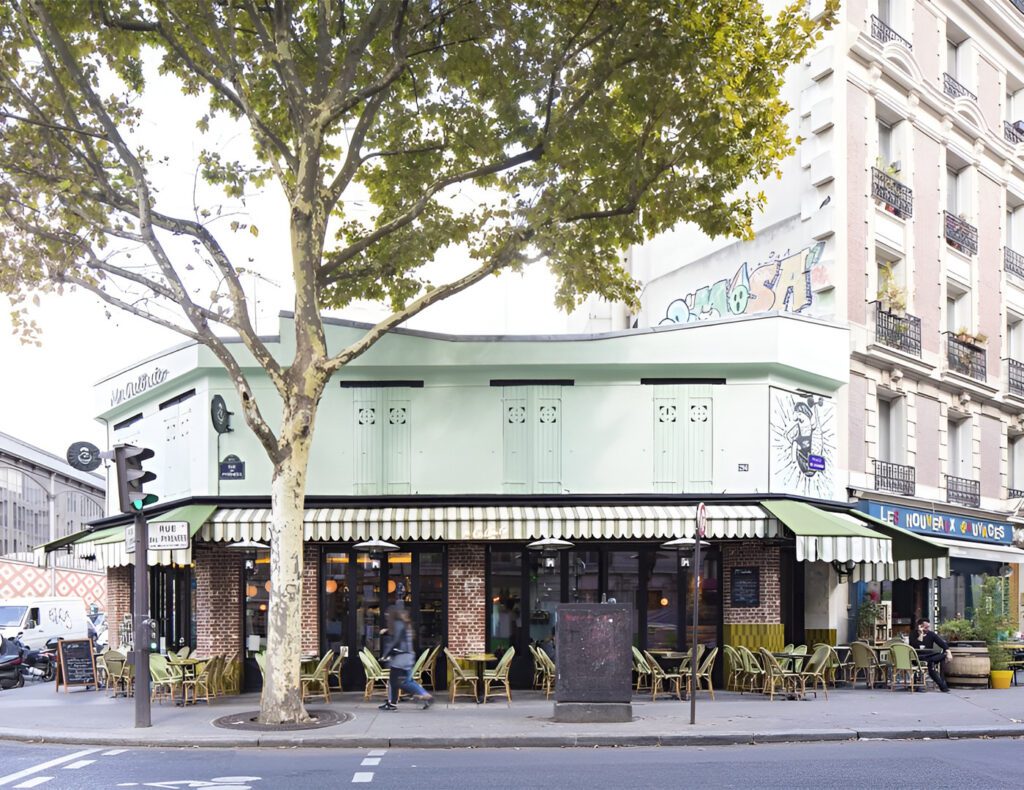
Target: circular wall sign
point(84, 456)
point(220, 415)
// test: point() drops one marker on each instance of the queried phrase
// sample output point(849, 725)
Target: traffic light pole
point(140, 607)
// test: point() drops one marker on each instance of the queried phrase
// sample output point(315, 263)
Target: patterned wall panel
point(19, 580)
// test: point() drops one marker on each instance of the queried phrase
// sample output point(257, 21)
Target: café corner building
point(463, 451)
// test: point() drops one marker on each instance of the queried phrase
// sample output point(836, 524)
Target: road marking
point(112, 752)
point(78, 764)
point(370, 761)
point(377, 752)
point(363, 776)
point(6, 780)
point(35, 780)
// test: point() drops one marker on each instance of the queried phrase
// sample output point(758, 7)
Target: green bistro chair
point(776, 677)
point(906, 665)
point(550, 673)
point(376, 677)
point(459, 678)
point(815, 671)
point(538, 668)
point(753, 672)
point(865, 661)
point(704, 672)
point(318, 679)
point(667, 682)
point(643, 671)
point(733, 668)
point(165, 682)
point(499, 675)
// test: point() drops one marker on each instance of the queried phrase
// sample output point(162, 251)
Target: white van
point(41, 619)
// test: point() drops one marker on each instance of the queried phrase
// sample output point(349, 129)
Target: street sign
point(232, 468)
point(84, 456)
point(163, 536)
point(702, 520)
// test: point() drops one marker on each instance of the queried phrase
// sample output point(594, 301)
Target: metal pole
point(140, 607)
point(693, 639)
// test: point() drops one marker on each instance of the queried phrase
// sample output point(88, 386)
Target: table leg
point(480, 699)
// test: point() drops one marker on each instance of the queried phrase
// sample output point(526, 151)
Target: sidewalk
point(90, 717)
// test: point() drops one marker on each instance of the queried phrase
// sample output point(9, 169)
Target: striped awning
point(824, 536)
point(501, 522)
point(913, 556)
point(108, 545)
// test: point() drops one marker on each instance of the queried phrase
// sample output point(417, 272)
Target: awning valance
point(823, 537)
point(108, 545)
point(914, 556)
point(500, 522)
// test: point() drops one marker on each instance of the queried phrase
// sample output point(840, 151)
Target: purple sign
point(816, 462)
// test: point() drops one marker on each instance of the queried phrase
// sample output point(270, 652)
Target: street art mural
point(802, 444)
point(783, 283)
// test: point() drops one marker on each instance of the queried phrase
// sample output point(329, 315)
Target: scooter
point(10, 665)
point(37, 664)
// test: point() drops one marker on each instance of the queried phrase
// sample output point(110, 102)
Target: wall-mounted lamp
point(843, 569)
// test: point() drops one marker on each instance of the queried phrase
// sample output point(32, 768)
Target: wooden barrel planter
point(969, 667)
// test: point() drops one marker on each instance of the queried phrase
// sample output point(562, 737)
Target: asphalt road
point(881, 764)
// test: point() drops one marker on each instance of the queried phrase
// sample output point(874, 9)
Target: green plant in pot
point(891, 295)
point(988, 622)
point(867, 615)
point(959, 630)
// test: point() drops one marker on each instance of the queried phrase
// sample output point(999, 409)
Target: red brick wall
point(119, 602)
point(466, 594)
point(218, 614)
point(752, 554)
point(311, 599)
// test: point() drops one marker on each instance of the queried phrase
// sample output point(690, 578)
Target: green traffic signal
point(148, 499)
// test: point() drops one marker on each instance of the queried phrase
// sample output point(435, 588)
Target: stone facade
point(466, 594)
point(218, 613)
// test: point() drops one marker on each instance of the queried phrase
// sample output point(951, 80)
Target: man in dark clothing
point(932, 649)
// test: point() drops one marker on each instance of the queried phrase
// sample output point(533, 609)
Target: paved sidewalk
point(36, 713)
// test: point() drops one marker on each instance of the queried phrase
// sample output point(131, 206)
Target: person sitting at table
point(932, 649)
point(400, 656)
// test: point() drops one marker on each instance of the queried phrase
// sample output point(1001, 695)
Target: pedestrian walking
point(400, 657)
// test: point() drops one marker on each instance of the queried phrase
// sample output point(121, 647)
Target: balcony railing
point(902, 332)
point(1013, 262)
point(966, 359)
point(961, 491)
point(898, 198)
point(1016, 377)
point(1014, 493)
point(954, 89)
point(961, 234)
point(894, 477)
point(882, 32)
point(1011, 132)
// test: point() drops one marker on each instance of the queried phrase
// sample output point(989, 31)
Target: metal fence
point(897, 478)
point(955, 89)
point(961, 234)
point(902, 332)
point(965, 358)
point(961, 491)
point(897, 196)
point(882, 32)
point(1013, 262)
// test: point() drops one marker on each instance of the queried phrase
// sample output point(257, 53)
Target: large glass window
point(545, 594)
point(584, 576)
point(505, 597)
point(336, 599)
point(623, 582)
point(369, 608)
point(662, 600)
point(430, 622)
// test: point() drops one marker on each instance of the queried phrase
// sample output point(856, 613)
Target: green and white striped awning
point(824, 536)
point(913, 556)
point(108, 545)
point(500, 522)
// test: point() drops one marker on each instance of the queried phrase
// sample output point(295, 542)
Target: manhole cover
point(249, 720)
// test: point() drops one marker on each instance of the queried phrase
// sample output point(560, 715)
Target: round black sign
point(220, 415)
point(84, 456)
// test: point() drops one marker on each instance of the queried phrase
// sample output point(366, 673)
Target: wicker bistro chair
point(166, 681)
point(776, 676)
point(417, 669)
point(429, 669)
point(906, 665)
point(261, 662)
point(201, 682)
point(684, 665)
point(376, 677)
point(538, 668)
point(113, 663)
point(704, 672)
point(335, 670)
point(499, 675)
point(231, 674)
point(753, 673)
point(667, 682)
point(865, 660)
point(550, 673)
point(643, 671)
point(459, 678)
point(816, 671)
point(318, 679)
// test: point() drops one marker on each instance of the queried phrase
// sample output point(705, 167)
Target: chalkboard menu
point(745, 585)
point(76, 663)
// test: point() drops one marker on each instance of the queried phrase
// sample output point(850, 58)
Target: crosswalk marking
point(78, 764)
point(6, 780)
point(35, 780)
point(363, 776)
point(377, 752)
point(370, 761)
point(113, 752)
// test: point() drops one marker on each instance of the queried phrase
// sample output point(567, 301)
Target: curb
point(532, 741)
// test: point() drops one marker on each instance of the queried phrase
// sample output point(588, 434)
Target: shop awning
point(914, 556)
point(823, 537)
point(107, 545)
point(501, 522)
point(985, 552)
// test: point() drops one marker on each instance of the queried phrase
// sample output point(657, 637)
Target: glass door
point(257, 598)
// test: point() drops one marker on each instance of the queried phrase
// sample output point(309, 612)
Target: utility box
point(593, 649)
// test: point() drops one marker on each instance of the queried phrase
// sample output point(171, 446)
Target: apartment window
point(958, 309)
point(885, 143)
point(958, 438)
point(1015, 466)
point(892, 430)
point(953, 185)
point(953, 58)
point(1015, 336)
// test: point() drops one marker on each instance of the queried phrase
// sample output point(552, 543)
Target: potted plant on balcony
point(891, 296)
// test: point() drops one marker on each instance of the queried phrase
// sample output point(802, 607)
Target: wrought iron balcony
point(1013, 262)
point(1015, 377)
point(898, 197)
point(1011, 132)
point(961, 234)
point(954, 89)
point(966, 359)
point(1014, 493)
point(882, 32)
point(897, 478)
point(902, 332)
point(961, 491)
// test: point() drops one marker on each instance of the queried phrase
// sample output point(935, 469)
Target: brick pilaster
point(218, 614)
point(466, 610)
point(119, 602)
point(752, 554)
point(311, 599)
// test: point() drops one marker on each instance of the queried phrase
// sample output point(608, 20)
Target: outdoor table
point(188, 670)
point(480, 659)
point(308, 662)
point(797, 659)
point(665, 656)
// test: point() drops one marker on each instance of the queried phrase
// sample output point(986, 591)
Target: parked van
point(40, 619)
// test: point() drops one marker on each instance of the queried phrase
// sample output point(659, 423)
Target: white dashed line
point(362, 776)
point(113, 752)
point(78, 764)
point(35, 780)
point(6, 780)
point(370, 761)
point(377, 752)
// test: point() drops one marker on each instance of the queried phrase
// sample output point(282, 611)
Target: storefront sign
point(163, 536)
point(139, 385)
point(745, 588)
point(943, 525)
point(232, 468)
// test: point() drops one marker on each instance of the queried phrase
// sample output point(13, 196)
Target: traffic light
point(131, 477)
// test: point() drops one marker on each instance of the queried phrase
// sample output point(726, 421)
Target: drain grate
point(250, 720)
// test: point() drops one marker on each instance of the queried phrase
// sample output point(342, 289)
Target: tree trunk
point(281, 701)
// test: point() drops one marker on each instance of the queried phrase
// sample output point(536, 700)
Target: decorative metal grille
point(897, 478)
point(698, 413)
point(1012, 134)
point(367, 416)
point(516, 415)
point(666, 413)
point(1013, 262)
point(902, 332)
point(955, 89)
point(548, 414)
point(1016, 377)
point(965, 358)
point(882, 32)
point(961, 234)
point(397, 415)
point(961, 491)
point(898, 197)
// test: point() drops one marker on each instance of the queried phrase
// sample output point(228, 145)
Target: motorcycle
point(38, 664)
point(11, 676)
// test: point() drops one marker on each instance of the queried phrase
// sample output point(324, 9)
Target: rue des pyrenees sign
point(163, 536)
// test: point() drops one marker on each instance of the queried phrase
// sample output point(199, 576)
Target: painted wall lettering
point(141, 384)
point(946, 525)
point(781, 283)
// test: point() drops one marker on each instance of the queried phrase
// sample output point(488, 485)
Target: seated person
point(932, 649)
